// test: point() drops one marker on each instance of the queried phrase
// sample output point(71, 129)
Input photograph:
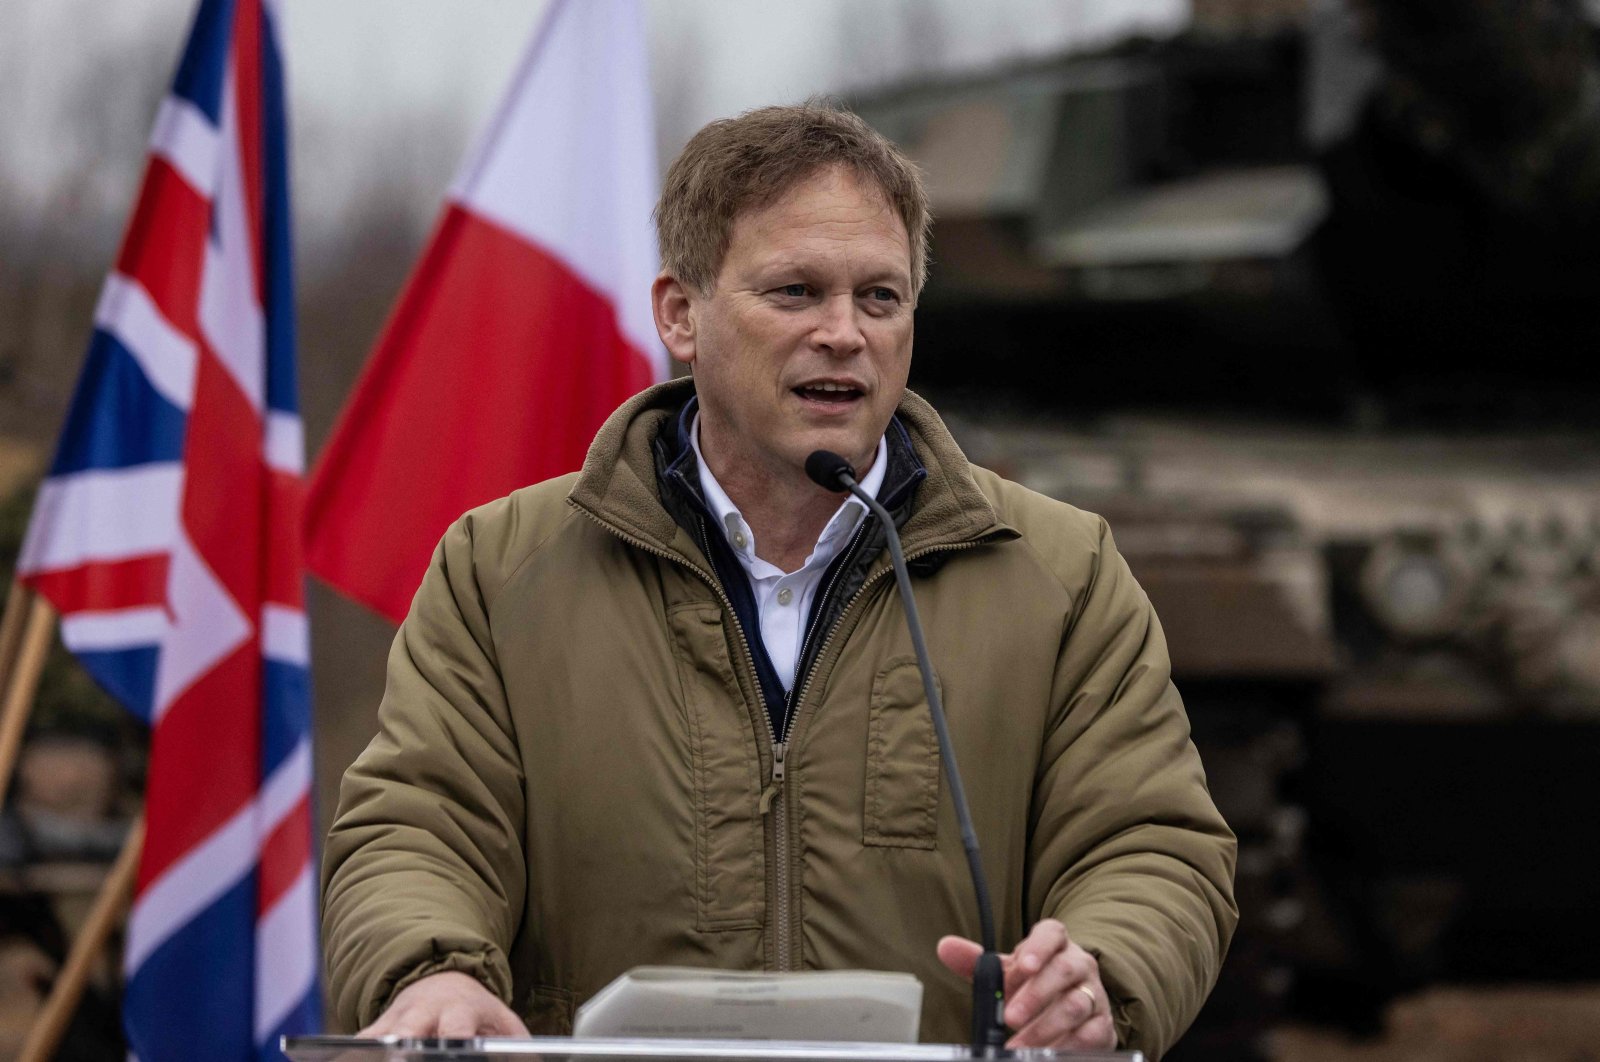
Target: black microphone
point(830, 471)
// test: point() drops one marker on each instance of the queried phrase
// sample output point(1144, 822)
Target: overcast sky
point(387, 95)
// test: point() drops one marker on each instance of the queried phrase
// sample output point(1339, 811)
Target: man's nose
point(838, 327)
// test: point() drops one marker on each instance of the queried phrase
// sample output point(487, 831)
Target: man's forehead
point(823, 209)
point(836, 179)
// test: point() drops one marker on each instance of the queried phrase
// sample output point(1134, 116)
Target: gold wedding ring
point(1086, 990)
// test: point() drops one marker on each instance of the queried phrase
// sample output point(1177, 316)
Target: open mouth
point(829, 393)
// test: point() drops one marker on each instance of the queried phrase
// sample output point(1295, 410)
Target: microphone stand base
point(988, 1008)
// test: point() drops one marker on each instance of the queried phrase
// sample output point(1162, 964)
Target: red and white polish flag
point(526, 322)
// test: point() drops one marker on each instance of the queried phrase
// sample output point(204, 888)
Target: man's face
point(804, 343)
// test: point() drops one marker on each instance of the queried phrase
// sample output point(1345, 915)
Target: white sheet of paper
point(862, 1006)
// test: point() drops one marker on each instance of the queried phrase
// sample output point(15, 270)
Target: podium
point(567, 1049)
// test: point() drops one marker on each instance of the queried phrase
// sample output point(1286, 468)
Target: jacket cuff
point(1120, 1020)
point(485, 964)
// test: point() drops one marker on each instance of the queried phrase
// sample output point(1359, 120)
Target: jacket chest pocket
point(902, 781)
point(729, 844)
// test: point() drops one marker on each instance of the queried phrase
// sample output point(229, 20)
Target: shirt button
point(739, 541)
point(785, 596)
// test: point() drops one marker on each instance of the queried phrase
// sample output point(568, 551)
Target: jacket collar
point(677, 466)
point(618, 482)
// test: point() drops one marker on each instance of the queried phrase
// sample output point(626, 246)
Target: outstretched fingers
point(1054, 982)
point(449, 1005)
point(1038, 949)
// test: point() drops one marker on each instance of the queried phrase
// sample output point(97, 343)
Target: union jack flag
point(166, 536)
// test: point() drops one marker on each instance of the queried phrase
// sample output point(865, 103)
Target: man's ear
point(673, 305)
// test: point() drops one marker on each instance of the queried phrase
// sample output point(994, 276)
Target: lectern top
point(562, 1049)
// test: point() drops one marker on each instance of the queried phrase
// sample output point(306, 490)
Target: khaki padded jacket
point(573, 772)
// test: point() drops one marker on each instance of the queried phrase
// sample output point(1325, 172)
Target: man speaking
point(665, 710)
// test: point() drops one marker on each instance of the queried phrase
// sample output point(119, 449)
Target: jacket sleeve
point(1127, 848)
point(424, 869)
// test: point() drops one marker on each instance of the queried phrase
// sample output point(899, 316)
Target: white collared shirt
point(783, 599)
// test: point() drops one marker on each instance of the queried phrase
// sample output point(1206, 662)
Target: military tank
point(1291, 299)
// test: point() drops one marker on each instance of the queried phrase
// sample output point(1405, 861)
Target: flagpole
point(17, 598)
point(24, 643)
point(45, 1035)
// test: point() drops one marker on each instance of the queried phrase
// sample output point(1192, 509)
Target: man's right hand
point(447, 1005)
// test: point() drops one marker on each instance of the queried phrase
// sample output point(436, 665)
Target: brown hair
point(745, 163)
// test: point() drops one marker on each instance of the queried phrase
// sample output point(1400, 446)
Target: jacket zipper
point(779, 751)
point(774, 791)
point(772, 796)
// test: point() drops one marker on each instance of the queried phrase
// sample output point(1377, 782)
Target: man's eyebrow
point(763, 272)
point(897, 277)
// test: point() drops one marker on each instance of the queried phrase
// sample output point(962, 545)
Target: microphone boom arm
point(988, 982)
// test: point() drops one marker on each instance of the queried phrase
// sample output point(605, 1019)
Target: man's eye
point(883, 295)
point(794, 291)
